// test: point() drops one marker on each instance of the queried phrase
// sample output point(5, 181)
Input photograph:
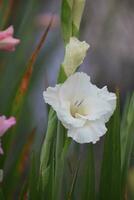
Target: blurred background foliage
point(107, 25)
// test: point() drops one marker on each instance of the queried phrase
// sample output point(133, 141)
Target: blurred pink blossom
point(5, 124)
point(7, 42)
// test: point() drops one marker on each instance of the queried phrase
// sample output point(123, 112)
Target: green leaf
point(71, 15)
point(46, 147)
point(77, 11)
point(24, 191)
point(18, 166)
point(60, 170)
point(127, 140)
point(33, 189)
point(72, 188)
point(61, 135)
point(4, 10)
point(88, 176)
point(124, 130)
point(66, 19)
point(21, 93)
point(110, 182)
point(61, 76)
point(1, 195)
point(60, 141)
point(25, 81)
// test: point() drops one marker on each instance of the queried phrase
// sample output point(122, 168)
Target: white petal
point(62, 108)
point(66, 118)
point(76, 87)
point(82, 107)
point(101, 103)
point(97, 103)
point(111, 100)
point(51, 96)
point(74, 55)
point(91, 132)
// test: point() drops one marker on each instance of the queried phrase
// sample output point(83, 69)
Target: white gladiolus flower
point(82, 107)
point(75, 53)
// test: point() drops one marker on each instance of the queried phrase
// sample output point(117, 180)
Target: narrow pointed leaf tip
point(75, 53)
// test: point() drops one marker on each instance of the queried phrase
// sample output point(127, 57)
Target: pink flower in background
point(7, 42)
point(5, 124)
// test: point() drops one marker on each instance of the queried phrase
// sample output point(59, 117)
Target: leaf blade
point(110, 182)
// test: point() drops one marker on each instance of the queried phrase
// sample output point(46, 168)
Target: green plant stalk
point(110, 182)
point(127, 141)
point(59, 143)
point(75, 175)
point(88, 183)
point(66, 19)
point(129, 148)
point(60, 170)
point(67, 23)
point(49, 136)
point(46, 148)
point(78, 8)
point(71, 15)
point(3, 12)
point(124, 130)
point(59, 147)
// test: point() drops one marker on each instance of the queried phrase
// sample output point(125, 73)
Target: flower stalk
point(71, 15)
point(46, 147)
point(60, 167)
point(70, 20)
point(78, 8)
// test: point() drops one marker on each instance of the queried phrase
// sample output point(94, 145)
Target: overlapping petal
point(90, 132)
point(82, 107)
point(52, 97)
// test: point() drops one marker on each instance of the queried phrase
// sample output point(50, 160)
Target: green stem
point(59, 170)
point(46, 147)
point(60, 140)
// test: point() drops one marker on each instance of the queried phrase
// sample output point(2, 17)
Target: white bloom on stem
point(75, 53)
point(82, 107)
